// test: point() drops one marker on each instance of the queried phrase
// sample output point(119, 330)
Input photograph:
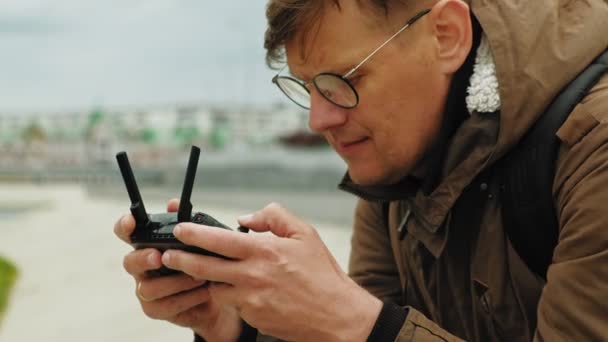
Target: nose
point(324, 115)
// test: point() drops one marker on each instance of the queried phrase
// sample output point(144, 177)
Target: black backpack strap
point(527, 174)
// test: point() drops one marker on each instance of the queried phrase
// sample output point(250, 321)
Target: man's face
point(401, 94)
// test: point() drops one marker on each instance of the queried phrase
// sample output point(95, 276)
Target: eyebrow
point(295, 75)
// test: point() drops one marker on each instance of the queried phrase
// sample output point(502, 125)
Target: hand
point(179, 299)
point(286, 284)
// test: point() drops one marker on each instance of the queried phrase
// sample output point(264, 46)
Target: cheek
point(413, 114)
point(406, 134)
point(396, 147)
point(403, 118)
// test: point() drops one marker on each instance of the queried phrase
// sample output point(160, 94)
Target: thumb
point(275, 219)
point(173, 205)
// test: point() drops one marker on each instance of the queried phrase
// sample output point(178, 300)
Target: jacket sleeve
point(574, 302)
point(418, 328)
point(372, 264)
point(401, 324)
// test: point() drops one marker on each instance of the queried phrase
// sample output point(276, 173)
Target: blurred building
point(93, 137)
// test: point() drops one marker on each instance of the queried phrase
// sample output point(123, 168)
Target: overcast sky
point(73, 54)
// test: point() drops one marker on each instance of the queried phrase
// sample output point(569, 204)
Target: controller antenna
point(184, 212)
point(137, 205)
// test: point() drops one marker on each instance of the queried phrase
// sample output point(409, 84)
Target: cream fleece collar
point(483, 95)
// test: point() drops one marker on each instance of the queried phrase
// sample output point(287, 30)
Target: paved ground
point(72, 286)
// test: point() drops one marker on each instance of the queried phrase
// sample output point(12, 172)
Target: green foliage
point(33, 132)
point(219, 137)
point(149, 135)
point(8, 275)
point(186, 135)
point(95, 117)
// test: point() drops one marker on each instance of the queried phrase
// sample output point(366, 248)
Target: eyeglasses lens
point(335, 89)
point(295, 91)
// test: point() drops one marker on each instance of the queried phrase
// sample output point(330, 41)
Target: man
point(419, 98)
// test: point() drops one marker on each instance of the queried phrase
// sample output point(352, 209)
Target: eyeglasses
point(337, 89)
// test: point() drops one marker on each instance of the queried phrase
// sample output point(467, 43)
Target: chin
point(370, 177)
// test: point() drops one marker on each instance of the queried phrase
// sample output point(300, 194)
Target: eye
point(354, 80)
point(327, 93)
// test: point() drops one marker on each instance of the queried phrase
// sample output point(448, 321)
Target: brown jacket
point(466, 282)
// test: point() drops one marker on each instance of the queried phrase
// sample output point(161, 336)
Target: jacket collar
point(406, 188)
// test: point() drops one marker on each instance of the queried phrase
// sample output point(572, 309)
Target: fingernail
point(177, 229)
point(151, 260)
point(245, 218)
point(198, 281)
point(123, 220)
point(166, 258)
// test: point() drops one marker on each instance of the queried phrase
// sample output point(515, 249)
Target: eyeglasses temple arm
point(410, 22)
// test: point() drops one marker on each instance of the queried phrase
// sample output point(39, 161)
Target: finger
point(201, 266)
point(156, 288)
point(225, 294)
point(203, 313)
point(249, 305)
point(138, 262)
point(274, 218)
point(224, 242)
point(169, 307)
point(124, 228)
point(173, 205)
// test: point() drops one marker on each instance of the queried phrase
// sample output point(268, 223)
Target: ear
point(453, 33)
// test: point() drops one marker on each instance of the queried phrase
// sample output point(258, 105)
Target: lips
point(352, 142)
point(350, 146)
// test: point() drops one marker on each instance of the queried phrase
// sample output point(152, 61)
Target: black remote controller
point(156, 230)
